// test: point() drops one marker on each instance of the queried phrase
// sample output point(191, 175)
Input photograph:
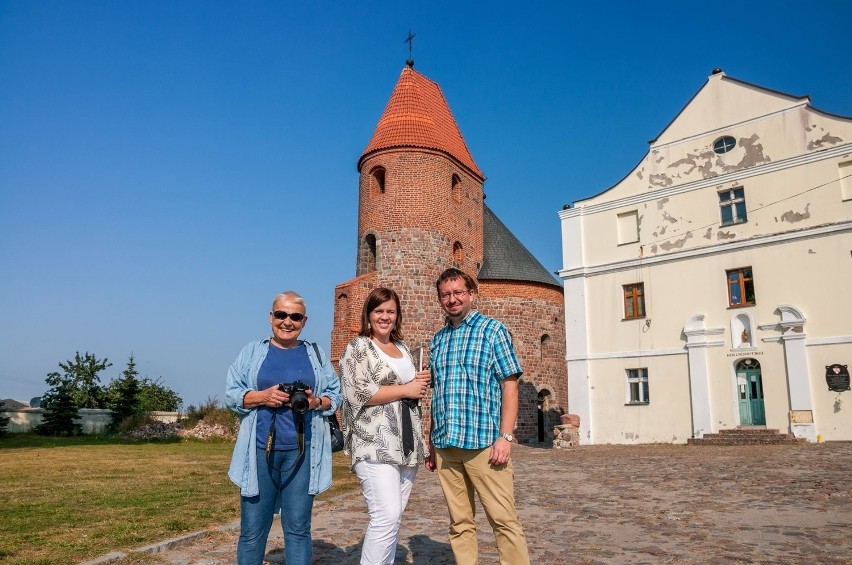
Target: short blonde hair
point(292, 296)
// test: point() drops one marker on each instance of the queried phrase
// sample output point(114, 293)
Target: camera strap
point(270, 439)
point(300, 435)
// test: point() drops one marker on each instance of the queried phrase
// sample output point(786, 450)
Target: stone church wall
point(533, 313)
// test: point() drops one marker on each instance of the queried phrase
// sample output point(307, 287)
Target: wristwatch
point(507, 437)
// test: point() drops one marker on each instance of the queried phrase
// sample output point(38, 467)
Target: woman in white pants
point(381, 415)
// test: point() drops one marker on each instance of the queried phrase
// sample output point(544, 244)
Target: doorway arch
point(750, 393)
point(542, 401)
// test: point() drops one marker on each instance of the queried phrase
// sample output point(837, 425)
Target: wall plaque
point(837, 377)
point(801, 417)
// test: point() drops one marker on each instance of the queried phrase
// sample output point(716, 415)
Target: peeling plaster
point(669, 218)
point(725, 235)
point(654, 248)
point(811, 252)
point(688, 160)
point(827, 139)
point(668, 246)
point(662, 180)
point(709, 233)
point(661, 202)
point(639, 174)
point(793, 217)
point(754, 152)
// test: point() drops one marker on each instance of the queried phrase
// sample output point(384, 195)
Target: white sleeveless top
point(403, 367)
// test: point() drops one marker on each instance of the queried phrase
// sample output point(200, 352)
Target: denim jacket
point(242, 378)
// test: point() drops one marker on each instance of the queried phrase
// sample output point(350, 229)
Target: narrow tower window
point(369, 253)
point(456, 188)
point(377, 181)
point(545, 349)
point(458, 254)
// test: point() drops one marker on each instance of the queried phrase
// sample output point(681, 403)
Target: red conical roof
point(417, 115)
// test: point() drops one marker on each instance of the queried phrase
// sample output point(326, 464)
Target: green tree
point(154, 396)
point(81, 376)
point(61, 411)
point(122, 395)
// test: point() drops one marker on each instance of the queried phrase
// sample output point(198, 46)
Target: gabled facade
point(421, 210)
point(710, 288)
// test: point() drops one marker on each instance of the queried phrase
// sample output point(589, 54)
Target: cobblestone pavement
point(615, 504)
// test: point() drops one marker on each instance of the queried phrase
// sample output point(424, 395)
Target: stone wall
point(534, 315)
point(93, 421)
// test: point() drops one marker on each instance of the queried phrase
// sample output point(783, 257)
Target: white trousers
point(386, 489)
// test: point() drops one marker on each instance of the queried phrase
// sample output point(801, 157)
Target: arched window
point(456, 188)
point(377, 181)
point(369, 254)
point(544, 350)
point(458, 254)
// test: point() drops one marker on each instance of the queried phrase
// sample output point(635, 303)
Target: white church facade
point(711, 288)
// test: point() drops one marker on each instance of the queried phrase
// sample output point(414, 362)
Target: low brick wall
point(93, 420)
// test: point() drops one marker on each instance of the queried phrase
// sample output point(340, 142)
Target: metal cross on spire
point(410, 41)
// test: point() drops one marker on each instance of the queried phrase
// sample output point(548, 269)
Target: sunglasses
point(282, 315)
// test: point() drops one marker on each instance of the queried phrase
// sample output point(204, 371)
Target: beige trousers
point(463, 471)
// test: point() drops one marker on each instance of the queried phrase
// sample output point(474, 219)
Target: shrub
point(211, 412)
point(134, 421)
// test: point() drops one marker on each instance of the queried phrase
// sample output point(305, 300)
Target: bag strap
point(317, 352)
point(319, 358)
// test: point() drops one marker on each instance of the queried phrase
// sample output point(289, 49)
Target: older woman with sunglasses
point(282, 457)
point(381, 415)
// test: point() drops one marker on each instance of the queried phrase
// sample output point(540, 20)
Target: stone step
point(745, 436)
point(750, 431)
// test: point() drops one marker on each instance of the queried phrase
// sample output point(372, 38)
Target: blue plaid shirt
point(468, 363)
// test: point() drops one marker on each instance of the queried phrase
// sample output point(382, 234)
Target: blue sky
point(167, 167)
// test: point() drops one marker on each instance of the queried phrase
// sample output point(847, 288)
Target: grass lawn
point(66, 500)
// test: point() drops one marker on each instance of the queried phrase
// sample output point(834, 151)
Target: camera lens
point(299, 402)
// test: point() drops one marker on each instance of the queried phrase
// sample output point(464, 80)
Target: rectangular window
point(637, 384)
point(634, 301)
point(740, 287)
point(732, 206)
point(628, 227)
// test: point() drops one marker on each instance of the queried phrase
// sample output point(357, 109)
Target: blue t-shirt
point(283, 366)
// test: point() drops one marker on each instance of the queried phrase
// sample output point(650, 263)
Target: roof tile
point(417, 115)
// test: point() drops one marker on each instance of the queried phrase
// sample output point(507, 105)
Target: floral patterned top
point(374, 433)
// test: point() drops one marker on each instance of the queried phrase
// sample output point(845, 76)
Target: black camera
point(298, 399)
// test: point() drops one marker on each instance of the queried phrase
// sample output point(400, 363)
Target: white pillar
point(798, 381)
point(699, 378)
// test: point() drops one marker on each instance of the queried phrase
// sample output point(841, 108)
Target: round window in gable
point(724, 144)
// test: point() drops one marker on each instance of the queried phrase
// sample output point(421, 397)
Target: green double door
point(750, 393)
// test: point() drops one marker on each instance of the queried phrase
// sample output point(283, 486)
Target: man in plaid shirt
point(474, 407)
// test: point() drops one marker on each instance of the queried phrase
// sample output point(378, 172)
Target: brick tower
point(420, 210)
